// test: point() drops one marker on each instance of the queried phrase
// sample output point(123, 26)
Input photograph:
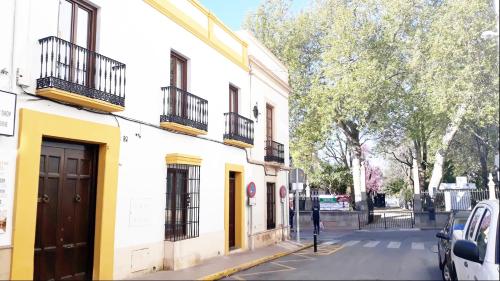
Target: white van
point(476, 257)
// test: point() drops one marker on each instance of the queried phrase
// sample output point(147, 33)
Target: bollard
point(315, 242)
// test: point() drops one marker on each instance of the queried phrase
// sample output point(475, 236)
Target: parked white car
point(476, 256)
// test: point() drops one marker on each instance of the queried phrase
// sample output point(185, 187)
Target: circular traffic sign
point(251, 189)
point(282, 191)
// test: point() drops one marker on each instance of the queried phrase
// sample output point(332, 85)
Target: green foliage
point(392, 69)
point(395, 186)
point(332, 178)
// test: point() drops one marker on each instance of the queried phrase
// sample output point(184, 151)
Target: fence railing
point(275, 151)
point(238, 128)
point(72, 68)
point(456, 199)
point(184, 108)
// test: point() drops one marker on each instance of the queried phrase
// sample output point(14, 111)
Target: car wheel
point(446, 273)
point(439, 257)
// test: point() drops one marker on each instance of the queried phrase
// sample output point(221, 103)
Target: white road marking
point(371, 244)
point(351, 243)
point(330, 242)
point(394, 245)
point(417, 246)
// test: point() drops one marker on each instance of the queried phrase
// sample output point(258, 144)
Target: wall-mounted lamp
point(256, 112)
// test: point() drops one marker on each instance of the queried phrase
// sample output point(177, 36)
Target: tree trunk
point(483, 161)
point(439, 158)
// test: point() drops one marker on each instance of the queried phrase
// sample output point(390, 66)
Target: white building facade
point(138, 128)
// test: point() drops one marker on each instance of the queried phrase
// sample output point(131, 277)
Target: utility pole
point(297, 212)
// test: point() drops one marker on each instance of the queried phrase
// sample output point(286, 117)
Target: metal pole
point(297, 228)
point(385, 224)
point(315, 242)
point(282, 219)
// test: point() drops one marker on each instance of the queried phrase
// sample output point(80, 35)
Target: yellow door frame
point(239, 206)
point(33, 126)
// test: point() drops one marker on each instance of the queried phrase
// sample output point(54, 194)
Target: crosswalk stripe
point(394, 245)
point(371, 244)
point(351, 243)
point(330, 242)
point(417, 246)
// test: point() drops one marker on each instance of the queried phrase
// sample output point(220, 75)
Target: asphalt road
point(360, 255)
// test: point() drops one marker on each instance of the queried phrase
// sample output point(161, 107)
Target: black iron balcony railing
point(238, 128)
point(75, 69)
point(184, 108)
point(275, 152)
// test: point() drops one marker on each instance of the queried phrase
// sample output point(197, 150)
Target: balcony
point(75, 75)
point(239, 130)
point(275, 152)
point(184, 112)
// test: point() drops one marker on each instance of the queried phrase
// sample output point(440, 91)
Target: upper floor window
point(178, 71)
point(269, 122)
point(233, 99)
point(77, 23)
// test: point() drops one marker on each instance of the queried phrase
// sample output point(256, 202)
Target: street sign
point(7, 113)
point(251, 190)
point(297, 175)
point(297, 186)
point(282, 191)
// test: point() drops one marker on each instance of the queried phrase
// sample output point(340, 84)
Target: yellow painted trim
point(80, 100)
point(33, 126)
point(177, 158)
point(204, 33)
point(237, 143)
point(182, 128)
point(239, 206)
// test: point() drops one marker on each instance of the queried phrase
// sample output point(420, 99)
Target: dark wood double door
point(65, 219)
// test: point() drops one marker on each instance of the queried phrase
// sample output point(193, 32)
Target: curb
point(230, 271)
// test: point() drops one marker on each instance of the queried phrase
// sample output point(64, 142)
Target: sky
point(232, 12)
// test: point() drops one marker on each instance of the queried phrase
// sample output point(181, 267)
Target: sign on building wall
point(7, 113)
point(7, 163)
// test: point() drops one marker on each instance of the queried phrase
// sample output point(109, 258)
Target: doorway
point(232, 210)
point(65, 221)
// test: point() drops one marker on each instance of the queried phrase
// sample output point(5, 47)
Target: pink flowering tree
point(373, 178)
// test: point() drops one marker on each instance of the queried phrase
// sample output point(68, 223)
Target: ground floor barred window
point(182, 212)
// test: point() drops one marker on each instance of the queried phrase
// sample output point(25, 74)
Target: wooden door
point(269, 130)
point(271, 205)
point(232, 210)
point(178, 81)
point(65, 212)
point(233, 107)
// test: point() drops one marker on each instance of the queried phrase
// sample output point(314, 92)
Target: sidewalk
point(223, 265)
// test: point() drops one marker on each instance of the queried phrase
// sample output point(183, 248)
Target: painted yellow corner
point(204, 33)
point(237, 143)
point(239, 206)
point(77, 99)
point(182, 128)
point(177, 158)
point(33, 126)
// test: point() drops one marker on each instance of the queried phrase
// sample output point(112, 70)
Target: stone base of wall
point(422, 220)
point(332, 219)
point(5, 257)
point(186, 253)
point(267, 237)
